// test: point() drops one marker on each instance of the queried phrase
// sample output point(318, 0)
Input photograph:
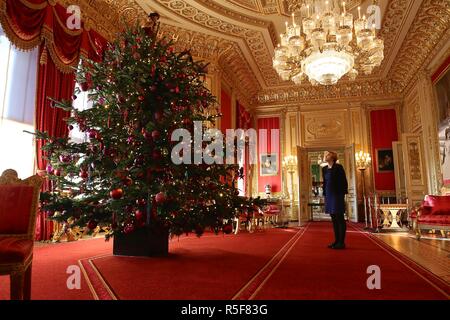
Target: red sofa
point(433, 214)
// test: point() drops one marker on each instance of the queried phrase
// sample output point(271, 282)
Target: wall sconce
point(363, 161)
point(290, 164)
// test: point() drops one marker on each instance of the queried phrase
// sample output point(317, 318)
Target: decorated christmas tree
point(124, 176)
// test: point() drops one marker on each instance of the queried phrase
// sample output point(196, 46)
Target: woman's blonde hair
point(333, 155)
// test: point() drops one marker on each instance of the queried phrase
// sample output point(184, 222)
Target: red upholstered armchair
point(18, 206)
point(432, 214)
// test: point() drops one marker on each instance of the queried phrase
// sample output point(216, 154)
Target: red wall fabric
point(59, 86)
point(441, 70)
point(225, 109)
point(274, 181)
point(384, 132)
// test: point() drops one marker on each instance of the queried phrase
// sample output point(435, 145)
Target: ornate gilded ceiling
point(239, 36)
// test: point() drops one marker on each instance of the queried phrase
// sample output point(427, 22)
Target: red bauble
point(70, 127)
point(127, 181)
point(227, 229)
point(129, 228)
point(139, 215)
point(156, 135)
point(121, 99)
point(84, 86)
point(116, 193)
point(57, 172)
point(93, 134)
point(160, 197)
point(147, 135)
point(49, 169)
point(92, 224)
point(65, 158)
point(141, 98)
point(84, 174)
point(141, 202)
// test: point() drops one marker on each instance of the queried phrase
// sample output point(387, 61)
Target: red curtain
point(60, 86)
point(31, 23)
point(274, 180)
point(225, 109)
point(28, 23)
point(384, 132)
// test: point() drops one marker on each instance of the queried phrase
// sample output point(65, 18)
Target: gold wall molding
point(378, 89)
point(324, 128)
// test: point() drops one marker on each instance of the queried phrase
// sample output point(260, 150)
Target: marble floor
point(431, 252)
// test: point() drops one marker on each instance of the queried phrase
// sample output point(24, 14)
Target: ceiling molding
point(312, 94)
point(429, 28)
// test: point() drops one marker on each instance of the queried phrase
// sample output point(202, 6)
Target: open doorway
point(311, 182)
point(316, 199)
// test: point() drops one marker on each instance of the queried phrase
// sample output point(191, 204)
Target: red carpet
point(50, 262)
point(312, 271)
point(213, 267)
point(275, 264)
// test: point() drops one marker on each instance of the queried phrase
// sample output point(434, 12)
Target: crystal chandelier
point(327, 44)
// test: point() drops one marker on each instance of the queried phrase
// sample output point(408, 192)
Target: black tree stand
point(146, 241)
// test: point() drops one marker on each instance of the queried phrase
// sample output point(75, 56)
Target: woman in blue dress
point(335, 188)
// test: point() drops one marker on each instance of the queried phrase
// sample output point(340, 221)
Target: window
point(18, 76)
point(81, 103)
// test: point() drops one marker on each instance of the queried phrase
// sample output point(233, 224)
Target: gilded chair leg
point(27, 284)
point(17, 283)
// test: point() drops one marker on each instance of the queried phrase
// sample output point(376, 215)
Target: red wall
point(275, 181)
point(384, 132)
point(225, 109)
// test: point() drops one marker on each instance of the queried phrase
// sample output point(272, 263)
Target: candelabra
point(363, 161)
point(290, 164)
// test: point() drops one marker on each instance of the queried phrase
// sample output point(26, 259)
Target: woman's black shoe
point(331, 245)
point(338, 246)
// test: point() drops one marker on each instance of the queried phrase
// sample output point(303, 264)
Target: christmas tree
point(124, 175)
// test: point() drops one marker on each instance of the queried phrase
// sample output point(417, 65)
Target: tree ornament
point(139, 215)
point(129, 228)
point(65, 158)
point(156, 135)
point(84, 86)
point(49, 169)
point(83, 174)
point(93, 134)
point(116, 193)
point(127, 181)
point(92, 224)
point(160, 197)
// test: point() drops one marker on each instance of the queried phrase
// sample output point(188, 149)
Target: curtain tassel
point(44, 56)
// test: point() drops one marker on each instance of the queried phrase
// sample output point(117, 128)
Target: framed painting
point(269, 164)
point(385, 160)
